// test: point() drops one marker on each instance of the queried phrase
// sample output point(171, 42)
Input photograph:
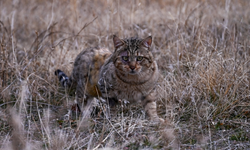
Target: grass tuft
point(202, 49)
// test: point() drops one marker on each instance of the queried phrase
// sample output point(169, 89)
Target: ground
point(202, 50)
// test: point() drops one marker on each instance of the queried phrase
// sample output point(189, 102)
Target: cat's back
point(93, 56)
point(86, 68)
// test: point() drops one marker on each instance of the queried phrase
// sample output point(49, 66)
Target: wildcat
point(129, 73)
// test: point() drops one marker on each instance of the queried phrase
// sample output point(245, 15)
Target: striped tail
point(63, 78)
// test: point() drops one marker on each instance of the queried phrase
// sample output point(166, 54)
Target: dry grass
point(203, 52)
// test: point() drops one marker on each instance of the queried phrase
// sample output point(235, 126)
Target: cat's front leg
point(150, 107)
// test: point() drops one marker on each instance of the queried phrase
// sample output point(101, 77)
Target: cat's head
point(133, 55)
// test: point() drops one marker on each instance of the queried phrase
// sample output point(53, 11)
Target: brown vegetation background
point(202, 48)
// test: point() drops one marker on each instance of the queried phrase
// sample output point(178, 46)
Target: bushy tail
point(63, 78)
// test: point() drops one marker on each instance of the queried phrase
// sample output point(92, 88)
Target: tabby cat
point(130, 73)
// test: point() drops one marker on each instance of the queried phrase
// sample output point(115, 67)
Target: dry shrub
point(202, 48)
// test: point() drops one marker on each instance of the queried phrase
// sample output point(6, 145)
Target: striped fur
point(63, 78)
point(129, 73)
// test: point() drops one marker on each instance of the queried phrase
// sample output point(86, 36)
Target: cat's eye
point(139, 58)
point(125, 58)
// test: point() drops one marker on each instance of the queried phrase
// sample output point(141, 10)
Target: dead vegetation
point(202, 49)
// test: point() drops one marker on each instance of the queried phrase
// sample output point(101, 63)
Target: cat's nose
point(132, 67)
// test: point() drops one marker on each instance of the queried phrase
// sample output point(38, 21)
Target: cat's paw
point(158, 120)
point(161, 120)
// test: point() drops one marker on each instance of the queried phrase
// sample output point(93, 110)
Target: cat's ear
point(117, 42)
point(147, 42)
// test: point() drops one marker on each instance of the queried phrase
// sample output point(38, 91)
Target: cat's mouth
point(132, 72)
